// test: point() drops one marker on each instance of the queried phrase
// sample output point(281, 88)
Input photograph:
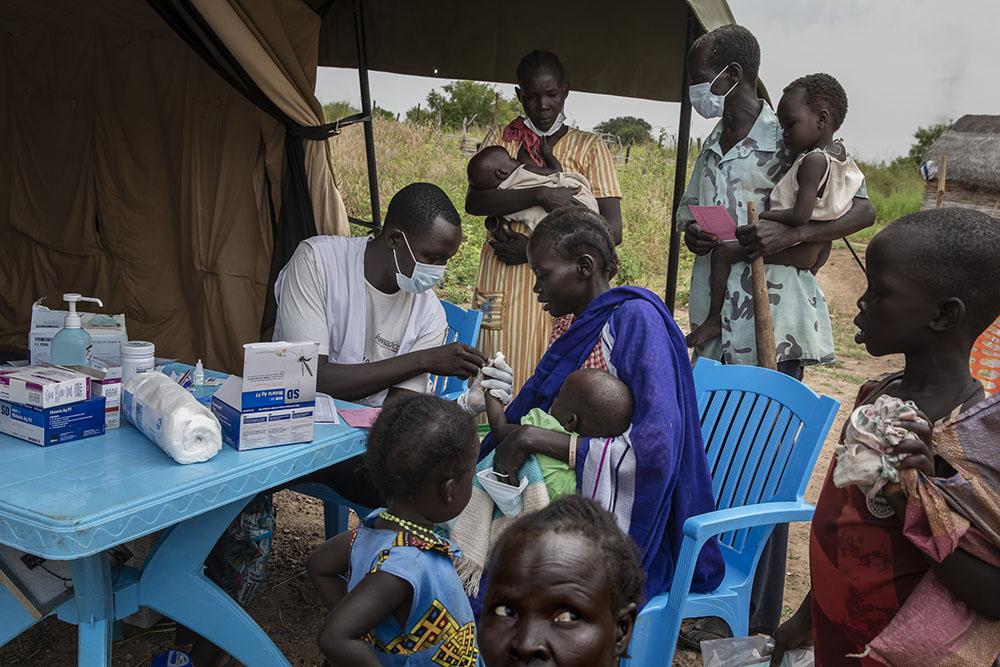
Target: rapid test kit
point(274, 402)
point(52, 426)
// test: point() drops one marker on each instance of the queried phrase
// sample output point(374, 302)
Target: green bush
point(895, 189)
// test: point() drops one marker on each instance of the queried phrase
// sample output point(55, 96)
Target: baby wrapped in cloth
point(591, 403)
point(943, 514)
point(862, 459)
point(494, 168)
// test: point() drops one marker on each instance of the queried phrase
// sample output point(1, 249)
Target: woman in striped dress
point(514, 322)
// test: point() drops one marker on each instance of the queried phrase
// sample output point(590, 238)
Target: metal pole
point(680, 173)
point(366, 108)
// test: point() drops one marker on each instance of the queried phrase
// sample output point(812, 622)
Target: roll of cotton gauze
point(172, 418)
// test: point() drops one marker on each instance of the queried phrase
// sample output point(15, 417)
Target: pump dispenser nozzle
point(73, 318)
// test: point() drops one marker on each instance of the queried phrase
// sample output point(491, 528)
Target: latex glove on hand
point(497, 378)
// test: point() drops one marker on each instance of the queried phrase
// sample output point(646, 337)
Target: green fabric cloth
point(560, 479)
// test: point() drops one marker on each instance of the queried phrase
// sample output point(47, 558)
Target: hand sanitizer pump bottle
point(71, 343)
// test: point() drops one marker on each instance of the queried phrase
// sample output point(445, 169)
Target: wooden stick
point(763, 325)
point(942, 175)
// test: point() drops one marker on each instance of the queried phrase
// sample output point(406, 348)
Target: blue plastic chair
point(763, 432)
point(463, 327)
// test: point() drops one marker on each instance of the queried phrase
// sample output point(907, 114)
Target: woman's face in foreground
point(545, 606)
point(558, 283)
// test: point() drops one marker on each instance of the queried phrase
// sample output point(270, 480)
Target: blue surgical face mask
point(704, 101)
point(424, 276)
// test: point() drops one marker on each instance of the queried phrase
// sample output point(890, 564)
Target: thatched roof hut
point(973, 175)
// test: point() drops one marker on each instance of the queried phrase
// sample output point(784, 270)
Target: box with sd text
point(52, 426)
point(273, 403)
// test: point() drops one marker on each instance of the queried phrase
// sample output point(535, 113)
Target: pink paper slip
point(715, 220)
point(359, 417)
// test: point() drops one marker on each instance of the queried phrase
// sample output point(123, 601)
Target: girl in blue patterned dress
point(390, 585)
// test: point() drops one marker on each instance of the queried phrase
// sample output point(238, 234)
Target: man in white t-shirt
point(369, 303)
point(380, 329)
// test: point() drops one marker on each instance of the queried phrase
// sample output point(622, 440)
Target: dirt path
point(291, 613)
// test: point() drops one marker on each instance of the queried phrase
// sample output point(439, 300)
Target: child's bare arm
point(326, 566)
point(971, 580)
point(810, 174)
point(374, 599)
point(497, 418)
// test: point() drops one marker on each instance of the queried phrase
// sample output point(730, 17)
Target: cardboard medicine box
point(53, 426)
point(107, 332)
point(43, 386)
point(273, 403)
point(106, 382)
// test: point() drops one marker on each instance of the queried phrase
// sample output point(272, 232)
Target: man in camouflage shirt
point(741, 161)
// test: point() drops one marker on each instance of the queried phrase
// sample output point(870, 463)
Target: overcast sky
point(903, 63)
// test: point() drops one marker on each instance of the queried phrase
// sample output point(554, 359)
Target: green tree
point(337, 110)
point(460, 100)
point(383, 114)
point(629, 129)
point(924, 137)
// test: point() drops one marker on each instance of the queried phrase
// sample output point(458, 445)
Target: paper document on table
point(326, 410)
point(715, 220)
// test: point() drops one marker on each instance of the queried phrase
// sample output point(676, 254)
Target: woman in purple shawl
point(655, 475)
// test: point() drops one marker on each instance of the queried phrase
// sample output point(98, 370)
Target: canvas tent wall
point(157, 172)
point(972, 146)
point(634, 49)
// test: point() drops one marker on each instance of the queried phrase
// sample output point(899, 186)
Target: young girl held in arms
point(820, 185)
point(911, 575)
point(402, 602)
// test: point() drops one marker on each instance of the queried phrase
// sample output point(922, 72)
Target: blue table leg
point(13, 618)
point(173, 583)
point(335, 518)
point(95, 610)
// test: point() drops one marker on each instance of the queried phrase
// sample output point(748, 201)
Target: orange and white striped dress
point(514, 322)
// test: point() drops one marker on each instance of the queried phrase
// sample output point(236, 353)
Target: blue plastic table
point(74, 501)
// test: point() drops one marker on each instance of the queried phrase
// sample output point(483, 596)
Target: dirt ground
point(290, 612)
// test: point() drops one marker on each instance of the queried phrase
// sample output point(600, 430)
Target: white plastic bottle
point(71, 344)
point(137, 357)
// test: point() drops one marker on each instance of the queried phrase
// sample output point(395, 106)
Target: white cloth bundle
point(862, 459)
point(172, 418)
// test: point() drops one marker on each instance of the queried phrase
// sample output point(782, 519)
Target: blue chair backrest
point(463, 327)
point(760, 429)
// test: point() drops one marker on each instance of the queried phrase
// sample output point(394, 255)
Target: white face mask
point(556, 125)
point(424, 277)
point(704, 101)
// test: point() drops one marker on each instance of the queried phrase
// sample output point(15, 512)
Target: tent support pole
point(680, 170)
point(366, 109)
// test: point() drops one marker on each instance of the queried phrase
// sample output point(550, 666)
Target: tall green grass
point(408, 153)
point(895, 189)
